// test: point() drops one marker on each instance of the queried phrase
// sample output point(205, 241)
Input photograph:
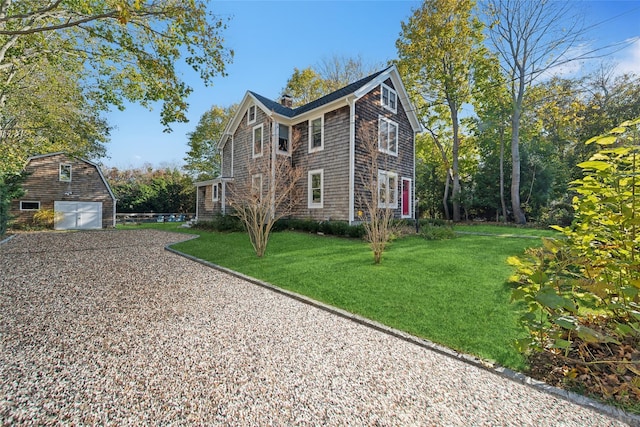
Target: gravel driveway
point(109, 328)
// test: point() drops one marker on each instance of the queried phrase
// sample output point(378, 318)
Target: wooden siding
point(368, 110)
point(243, 151)
point(333, 160)
point(43, 185)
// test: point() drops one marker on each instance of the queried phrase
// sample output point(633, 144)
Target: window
point(29, 206)
point(316, 188)
point(387, 189)
point(251, 114)
point(388, 98)
point(215, 193)
point(256, 187)
point(65, 173)
point(283, 139)
point(316, 134)
point(387, 136)
point(257, 141)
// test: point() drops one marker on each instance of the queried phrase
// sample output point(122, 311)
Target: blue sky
point(271, 38)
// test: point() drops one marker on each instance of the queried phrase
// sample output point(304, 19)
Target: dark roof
point(340, 93)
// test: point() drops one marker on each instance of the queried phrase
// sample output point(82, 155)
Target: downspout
point(222, 190)
point(352, 157)
point(274, 159)
point(414, 204)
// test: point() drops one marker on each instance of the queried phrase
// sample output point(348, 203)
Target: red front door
point(406, 198)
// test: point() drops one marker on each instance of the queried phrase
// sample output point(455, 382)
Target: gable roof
point(327, 99)
point(95, 165)
point(355, 90)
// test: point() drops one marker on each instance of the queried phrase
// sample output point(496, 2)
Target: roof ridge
point(325, 99)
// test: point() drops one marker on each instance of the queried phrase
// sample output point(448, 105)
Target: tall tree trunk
point(503, 203)
point(455, 175)
point(445, 197)
point(515, 152)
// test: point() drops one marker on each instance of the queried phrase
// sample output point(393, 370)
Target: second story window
point(283, 139)
point(389, 98)
point(387, 136)
point(316, 134)
point(251, 114)
point(65, 173)
point(257, 141)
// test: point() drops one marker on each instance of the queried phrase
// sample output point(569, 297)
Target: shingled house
point(331, 152)
point(75, 189)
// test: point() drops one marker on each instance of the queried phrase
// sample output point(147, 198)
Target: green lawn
point(505, 230)
point(452, 292)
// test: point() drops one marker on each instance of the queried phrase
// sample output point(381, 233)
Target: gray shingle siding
point(334, 159)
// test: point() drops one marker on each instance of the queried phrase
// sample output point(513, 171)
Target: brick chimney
point(286, 100)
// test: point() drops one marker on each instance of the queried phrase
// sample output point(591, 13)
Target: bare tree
point(270, 189)
point(531, 37)
point(377, 195)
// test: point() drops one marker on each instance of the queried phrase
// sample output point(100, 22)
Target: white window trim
point(385, 148)
point(255, 114)
point(279, 151)
point(253, 178)
point(383, 177)
point(310, 202)
point(60, 172)
point(215, 192)
point(391, 91)
point(29, 201)
point(313, 149)
point(255, 155)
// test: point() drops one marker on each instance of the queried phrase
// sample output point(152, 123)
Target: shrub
point(582, 293)
point(44, 218)
point(437, 232)
point(223, 223)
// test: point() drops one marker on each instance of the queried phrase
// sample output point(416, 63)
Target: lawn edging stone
point(611, 411)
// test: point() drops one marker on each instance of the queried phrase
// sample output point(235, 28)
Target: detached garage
point(75, 189)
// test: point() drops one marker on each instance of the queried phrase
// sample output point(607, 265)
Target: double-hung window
point(65, 172)
point(251, 114)
point(283, 139)
point(256, 187)
point(316, 134)
point(387, 189)
point(316, 188)
point(387, 136)
point(257, 141)
point(388, 98)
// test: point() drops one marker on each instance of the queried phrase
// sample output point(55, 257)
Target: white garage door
point(77, 215)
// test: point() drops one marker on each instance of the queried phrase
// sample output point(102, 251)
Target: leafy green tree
point(203, 157)
point(146, 189)
point(329, 75)
point(131, 47)
point(437, 50)
point(304, 86)
point(491, 131)
point(530, 37)
point(106, 52)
